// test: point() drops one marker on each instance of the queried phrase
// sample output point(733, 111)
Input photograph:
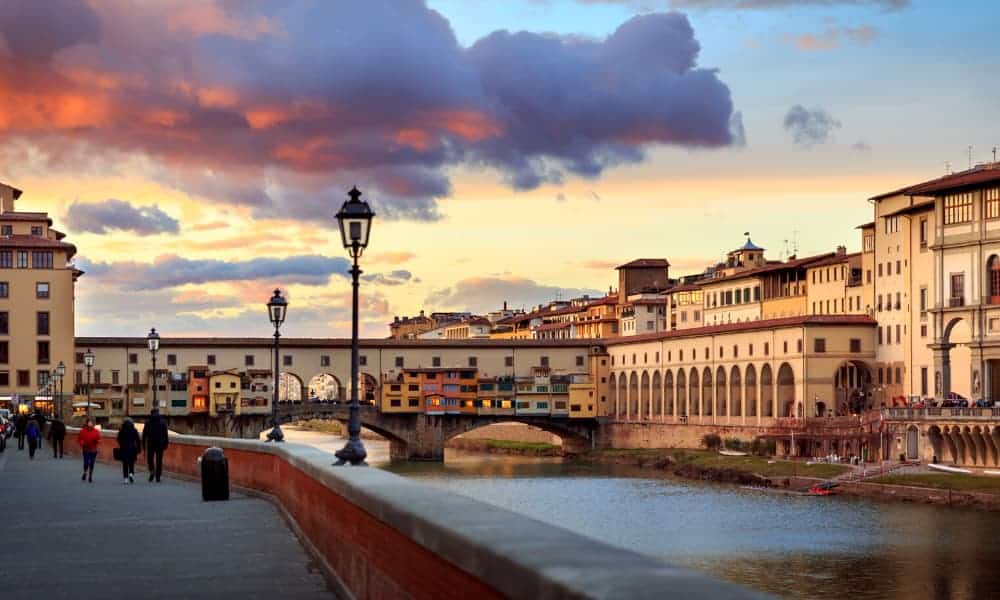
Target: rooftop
point(645, 263)
point(794, 263)
point(978, 175)
point(805, 320)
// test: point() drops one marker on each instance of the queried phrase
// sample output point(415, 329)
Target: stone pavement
point(64, 538)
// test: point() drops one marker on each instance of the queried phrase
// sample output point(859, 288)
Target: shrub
point(712, 441)
point(762, 447)
point(734, 444)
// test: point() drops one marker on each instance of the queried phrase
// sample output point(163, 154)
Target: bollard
point(214, 475)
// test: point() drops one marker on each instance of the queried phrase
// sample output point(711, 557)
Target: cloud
point(280, 106)
point(777, 4)
point(861, 146)
point(109, 215)
point(172, 270)
point(392, 258)
point(483, 294)
point(810, 127)
point(397, 277)
point(831, 37)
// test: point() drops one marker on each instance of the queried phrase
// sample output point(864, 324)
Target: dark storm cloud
point(275, 105)
point(111, 214)
point(809, 127)
point(171, 271)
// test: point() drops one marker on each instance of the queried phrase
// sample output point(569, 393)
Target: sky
point(195, 152)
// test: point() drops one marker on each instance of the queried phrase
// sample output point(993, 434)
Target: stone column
point(942, 369)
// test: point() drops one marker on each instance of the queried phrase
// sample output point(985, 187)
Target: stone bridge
point(963, 436)
point(411, 436)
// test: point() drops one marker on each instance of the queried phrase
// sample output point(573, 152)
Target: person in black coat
point(40, 419)
point(20, 425)
point(129, 447)
point(154, 441)
point(57, 433)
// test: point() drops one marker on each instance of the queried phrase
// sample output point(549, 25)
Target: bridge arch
point(668, 393)
point(682, 396)
point(290, 388)
point(622, 395)
point(786, 392)
point(657, 408)
point(325, 387)
point(706, 392)
point(633, 396)
point(694, 393)
point(852, 386)
point(720, 392)
point(644, 401)
point(613, 389)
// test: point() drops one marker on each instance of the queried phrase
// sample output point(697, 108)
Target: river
point(792, 546)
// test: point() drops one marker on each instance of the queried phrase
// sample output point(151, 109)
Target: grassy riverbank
point(944, 481)
point(672, 459)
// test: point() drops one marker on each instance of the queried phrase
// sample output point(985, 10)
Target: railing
point(919, 414)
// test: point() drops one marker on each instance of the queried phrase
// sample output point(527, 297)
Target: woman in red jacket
point(89, 438)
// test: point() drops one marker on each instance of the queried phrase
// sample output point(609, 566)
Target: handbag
point(116, 453)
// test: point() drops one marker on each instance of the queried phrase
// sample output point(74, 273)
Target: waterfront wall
point(642, 434)
point(380, 535)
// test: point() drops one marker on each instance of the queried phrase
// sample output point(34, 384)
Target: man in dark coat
point(20, 425)
point(40, 419)
point(57, 433)
point(154, 442)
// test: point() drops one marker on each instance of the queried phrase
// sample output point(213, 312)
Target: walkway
point(63, 538)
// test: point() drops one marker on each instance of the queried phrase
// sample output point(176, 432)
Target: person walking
point(40, 419)
point(154, 442)
point(129, 446)
point(19, 426)
point(88, 438)
point(57, 433)
point(33, 434)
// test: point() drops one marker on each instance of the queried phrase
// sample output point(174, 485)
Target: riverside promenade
point(64, 538)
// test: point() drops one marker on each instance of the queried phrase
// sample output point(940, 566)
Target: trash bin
point(214, 475)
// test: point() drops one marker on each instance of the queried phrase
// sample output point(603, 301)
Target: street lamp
point(60, 373)
point(88, 359)
point(277, 308)
point(355, 220)
point(153, 343)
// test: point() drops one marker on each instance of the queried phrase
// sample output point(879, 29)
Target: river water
point(792, 546)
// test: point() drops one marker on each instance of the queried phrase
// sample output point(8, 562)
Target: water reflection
point(793, 546)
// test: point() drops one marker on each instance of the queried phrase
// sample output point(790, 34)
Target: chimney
point(505, 306)
point(421, 313)
point(841, 250)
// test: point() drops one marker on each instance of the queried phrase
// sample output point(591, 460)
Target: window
point(23, 378)
point(210, 359)
point(41, 260)
point(6, 259)
point(435, 361)
point(923, 299)
point(958, 208)
point(42, 289)
point(42, 378)
point(899, 377)
point(880, 269)
point(508, 361)
point(4, 289)
point(767, 349)
point(899, 268)
point(4, 323)
point(899, 338)
point(750, 349)
point(4, 352)
point(957, 289)
point(888, 334)
point(785, 347)
point(248, 360)
point(545, 361)
point(135, 377)
point(579, 361)
point(286, 360)
point(22, 259)
point(36, 230)
point(42, 323)
point(881, 376)
point(798, 346)
point(43, 353)
point(4, 378)
point(399, 362)
point(819, 345)
point(892, 224)
point(133, 358)
point(855, 345)
point(171, 359)
point(899, 301)
point(923, 233)
point(473, 361)
point(923, 331)
point(115, 377)
point(992, 205)
point(880, 342)
point(363, 361)
point(6, 230)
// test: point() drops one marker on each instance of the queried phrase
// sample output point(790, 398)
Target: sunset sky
point(196, 151)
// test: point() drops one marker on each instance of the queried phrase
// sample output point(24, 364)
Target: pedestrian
point(20, 424)
point(154, 441)
point(33, 434)
point(40, 418)
point(57, 433)
point(129, 446)
point(88, 438)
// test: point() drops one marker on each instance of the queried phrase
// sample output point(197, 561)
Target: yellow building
point(37, 294)
point(224, 393)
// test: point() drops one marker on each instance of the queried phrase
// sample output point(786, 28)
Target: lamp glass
point(88, 358)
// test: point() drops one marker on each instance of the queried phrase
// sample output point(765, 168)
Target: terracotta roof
point(644, 301)
point(25, 216)
point(912, 208)
point(979, 175)
point(552, 326)
point(833, 260)
point(645, 263)
point(813, 320)
point(32, 241)
point(687, 287)
point(772, 267)
point(17, 192)
point(605, 300)
point(866, 225)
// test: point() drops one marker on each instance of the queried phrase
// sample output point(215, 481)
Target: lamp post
point(277, 308)
point(355, 220)
point(153, 343)
point(88, 359)
point(60, 373)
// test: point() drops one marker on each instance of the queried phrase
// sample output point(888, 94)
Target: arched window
point(994, 278)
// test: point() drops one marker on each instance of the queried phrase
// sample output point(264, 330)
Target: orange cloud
point(392, 258)
point(201, 19)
